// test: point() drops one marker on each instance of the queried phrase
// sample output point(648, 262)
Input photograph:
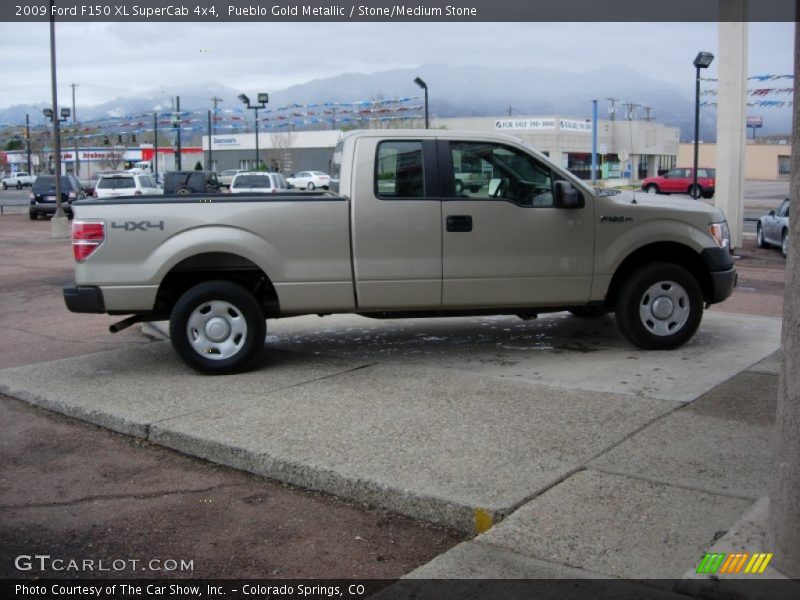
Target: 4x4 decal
point(138, 226)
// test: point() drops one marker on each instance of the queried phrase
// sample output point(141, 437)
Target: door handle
point(459, 223)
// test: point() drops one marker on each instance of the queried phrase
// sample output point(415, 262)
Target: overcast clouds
point(113, 59)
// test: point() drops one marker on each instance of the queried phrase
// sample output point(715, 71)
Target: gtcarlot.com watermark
point(46, 563)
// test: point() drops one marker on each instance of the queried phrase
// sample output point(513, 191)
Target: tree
point(282, 142)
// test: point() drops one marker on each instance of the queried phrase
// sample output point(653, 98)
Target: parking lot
point(457, 424)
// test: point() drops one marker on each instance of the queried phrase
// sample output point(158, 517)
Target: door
point(505, 244)
point(676, 181)
point(396, 225)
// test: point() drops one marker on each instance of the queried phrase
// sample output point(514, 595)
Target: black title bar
point(392, 10)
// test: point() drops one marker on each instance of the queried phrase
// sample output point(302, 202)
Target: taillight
point(86, 237)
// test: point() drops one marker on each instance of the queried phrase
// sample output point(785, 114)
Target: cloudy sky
point(117, 59)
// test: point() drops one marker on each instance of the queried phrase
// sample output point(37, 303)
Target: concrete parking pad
point(444, 445)
point(434, 444)
point(557, 349)
point(722, 443)
point(618, 525)
point(129, 389)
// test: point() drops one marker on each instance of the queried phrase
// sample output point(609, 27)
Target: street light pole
point(28, 141)
point(424, 86)
point(58, 225)
point(178, 161)
point(701, 61)
point(263, 100)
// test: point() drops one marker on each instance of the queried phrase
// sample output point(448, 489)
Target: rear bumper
point(84, 299)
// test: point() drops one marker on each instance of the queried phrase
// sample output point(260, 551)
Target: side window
point(701, 173)
point(485, 170)
point(674, 174)
point(783, 211)
point(399, 171)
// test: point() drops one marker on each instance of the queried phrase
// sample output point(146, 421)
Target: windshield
point(253, 181)
point(115, 183)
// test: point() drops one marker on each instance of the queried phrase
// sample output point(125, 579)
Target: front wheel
point(760, 241)
point(5, 185)
point(651, 189)
point(217, 327)
point(659, 307)
point(310, 187)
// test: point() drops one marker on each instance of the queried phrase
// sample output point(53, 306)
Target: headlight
point(720, 233)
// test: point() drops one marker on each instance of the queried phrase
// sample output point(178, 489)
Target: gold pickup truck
point(396, 237)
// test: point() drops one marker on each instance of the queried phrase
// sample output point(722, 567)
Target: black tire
point(5, 185)
point(459, 186)
point(310, 187)
point(695, 192)
point(659, 306)
point(19, 185)
point(590, 312)
point(234, 315)
point(183, 191)
point(652, 189)
point(33, 215)
point(760, 242)
point(785, 243)
point(708, 194)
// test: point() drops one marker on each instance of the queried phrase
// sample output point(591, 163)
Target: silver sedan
point(773, 228)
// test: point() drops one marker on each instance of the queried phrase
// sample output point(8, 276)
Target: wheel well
point(217, 265)
point(661, 252)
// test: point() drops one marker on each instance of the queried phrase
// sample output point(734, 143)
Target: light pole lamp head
point(244, 99)
point(65, 113)
point(48, 112)
point(421, 83)
point(263, 98)
point(703, 60)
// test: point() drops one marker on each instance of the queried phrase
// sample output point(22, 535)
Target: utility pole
point(784, 508)
point(178, 150)
point(28, 141)
point(75, 130)
point(155, 144)
point(216, 101)
point(210, 155)
point(612, 110)
point(647, 110)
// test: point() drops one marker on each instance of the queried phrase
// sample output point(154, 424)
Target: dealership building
point(626, 149)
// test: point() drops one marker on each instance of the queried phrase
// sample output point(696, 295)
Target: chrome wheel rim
point(664, 308)
point(651, 190)
point(759, 237)
point(216, 330)
point(785, 244)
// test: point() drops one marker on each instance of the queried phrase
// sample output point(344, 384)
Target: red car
point(680, 181)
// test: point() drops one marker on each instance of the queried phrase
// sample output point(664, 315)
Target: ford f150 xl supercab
point(397, 237)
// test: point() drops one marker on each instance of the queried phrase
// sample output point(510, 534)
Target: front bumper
point(722, 284)
point(84, 299)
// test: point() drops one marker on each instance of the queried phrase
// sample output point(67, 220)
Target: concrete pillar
point(731, 121)
point(784, 526)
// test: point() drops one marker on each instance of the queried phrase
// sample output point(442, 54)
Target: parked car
point(309, 180)
point(773, 228)
point(191, 182)
point(43, 195)
point(18, 180)
point(125, 184)
point(258, 182)
point(226, 177)
point(681, 180)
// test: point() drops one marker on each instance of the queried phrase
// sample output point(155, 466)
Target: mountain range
point(454, 91)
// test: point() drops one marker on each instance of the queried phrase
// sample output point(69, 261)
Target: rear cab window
point(399, 170)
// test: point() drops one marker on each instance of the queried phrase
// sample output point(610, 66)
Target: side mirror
point(567, 196)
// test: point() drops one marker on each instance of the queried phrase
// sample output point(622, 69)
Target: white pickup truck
point(396, 237)
point(18, 180)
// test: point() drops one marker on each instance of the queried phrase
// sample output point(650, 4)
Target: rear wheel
point(183, 191)
point(310, 187)
point(659, 307)
point(785, 243)
point(217, 327)
point(695, 191)
point(651, 189)
point(760, 242)
point(5, 185)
